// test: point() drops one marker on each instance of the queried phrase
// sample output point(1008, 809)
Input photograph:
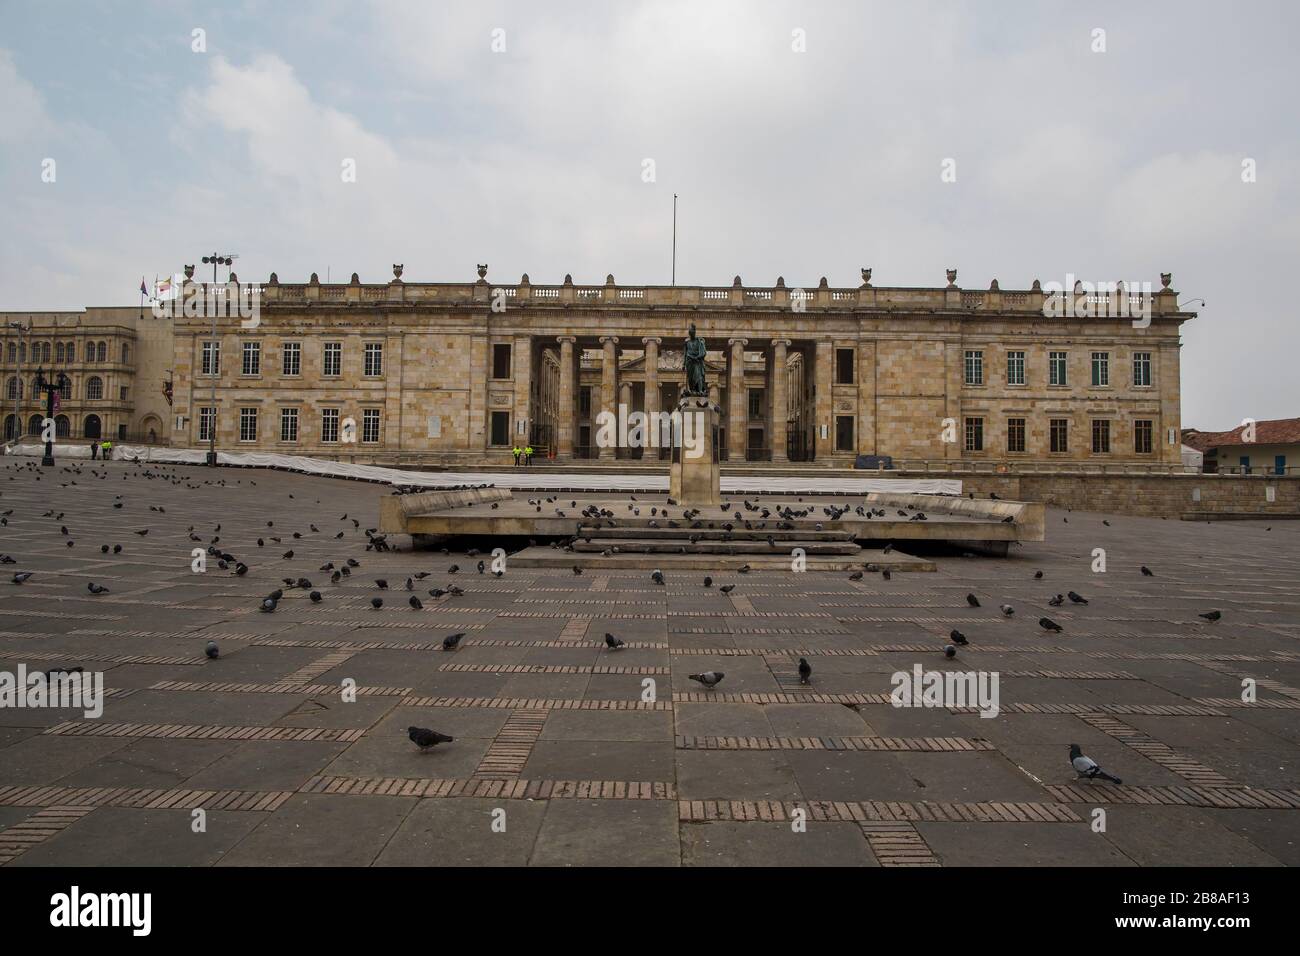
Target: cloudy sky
point(1109, 165)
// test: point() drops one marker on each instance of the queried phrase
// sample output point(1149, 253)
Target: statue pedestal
point(694, 479)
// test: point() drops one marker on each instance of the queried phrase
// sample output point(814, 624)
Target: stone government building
point(458, 373)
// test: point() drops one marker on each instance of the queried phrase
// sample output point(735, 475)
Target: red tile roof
point(1279, 431)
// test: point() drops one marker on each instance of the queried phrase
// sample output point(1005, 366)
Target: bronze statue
point(693, 360)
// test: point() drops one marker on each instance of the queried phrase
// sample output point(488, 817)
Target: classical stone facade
point(116, 362)
point(458, 373)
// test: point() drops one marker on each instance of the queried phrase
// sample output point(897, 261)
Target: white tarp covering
point(525, 478)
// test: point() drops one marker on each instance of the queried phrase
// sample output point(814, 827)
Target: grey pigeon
point(449, 643)
point(1047, 624)
point(805, 670)
point(425, 738)
point(612, 642)
point(709, 679)
point(972, 600)
point(211, 650)
point(1085, 766)
point(1211, 616)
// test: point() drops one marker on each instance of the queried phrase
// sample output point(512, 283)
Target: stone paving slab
point(293, 741)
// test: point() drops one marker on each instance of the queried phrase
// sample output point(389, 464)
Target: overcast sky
point(1108, 165)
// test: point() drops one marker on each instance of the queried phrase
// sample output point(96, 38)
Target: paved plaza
point(570, 754)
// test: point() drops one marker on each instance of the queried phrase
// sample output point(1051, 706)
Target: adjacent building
point(1259, 448)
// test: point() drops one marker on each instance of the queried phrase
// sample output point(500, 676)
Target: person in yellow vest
point(518, 451)
point(528, 455)
point(106, 449)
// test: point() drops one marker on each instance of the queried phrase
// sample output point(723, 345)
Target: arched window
point(102, 355)
point(94, 388)
point(65, 389)
point(62, 427)
point(13, 352)
point(91, 427)
point(14, 389)
point(45, 352)
point(58, 353)
point(11, 425)
point(90, 351)
point(34, 424)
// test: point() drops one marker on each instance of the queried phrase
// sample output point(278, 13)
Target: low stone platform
point(705, 561)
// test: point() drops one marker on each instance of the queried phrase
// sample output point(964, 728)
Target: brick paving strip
point(599, 584)
point(160, 799)
point(535, 703)
point(550, 669)
point(220, 687)
point(1076, 710)
point(896, 744)
point(870, 811)
point(36, 829)
point(313, 670)
point(1157, 751)
point(898, 843)
point(95, 728)
point(1221, 798)
point(116, 658)
point(1268, 684)
point(513, 745)
point(502, 789)
point(1237, 702)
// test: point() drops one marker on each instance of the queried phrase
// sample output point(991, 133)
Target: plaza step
point(715, 534)
point(683, 546)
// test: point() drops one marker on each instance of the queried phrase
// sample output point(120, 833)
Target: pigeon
point(805, 670)
point(424, 738)
point(1147, 572)
point(1047, 624)
point(1211, 616)
point(657, 576)
point(950, 652)
point(576, 570)
point(885, 574)
point(288, 554)
point(315, 597)
point(744, 570)
point(1057, 601)
point(449, 643)
point(453, 569)
point(211, 651)
point(957, 637)
point(22, 576)
point(612, 642)
point(377, 603)
point(709, 679)
point(708, 581)
point(1007, 610)
point(1085, 766)
point(415, 603)
point(143, 533)
point(1076, 598)
point(94, 588)
point(1038, 575)
point(972, 600)
point(727, 588)
point(855, 576)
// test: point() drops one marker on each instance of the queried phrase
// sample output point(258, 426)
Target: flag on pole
point(143, 289)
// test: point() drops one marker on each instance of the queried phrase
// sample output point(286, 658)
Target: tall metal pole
point(216, 260)
point(674, 239)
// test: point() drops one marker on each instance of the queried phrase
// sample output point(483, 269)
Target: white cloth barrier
point(540, 479)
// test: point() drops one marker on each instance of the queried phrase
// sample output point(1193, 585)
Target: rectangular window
point(370, 426)
point(1100, 436)
point(1100, 369)
point(500, 428)
point(1142, 369)
point(844, 366)
point(329, 425)
point(1142, 436)
point(211, 358)
point(252, 364)
point(248, 424)
point(1015, 434)
point(584, 401)
point(1059, 431)
point(1056, 368)
point(292, 358)
point(1015, 368)
point(332, 363)
point(288, 424)
point(844, 433)
point(121, 393)
point(974, 434)
point(755, 403)
point(500, 361)
point(206, 418)
point(374, 359)
point(974, 368)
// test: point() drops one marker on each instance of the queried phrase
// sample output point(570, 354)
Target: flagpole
point(674, 239)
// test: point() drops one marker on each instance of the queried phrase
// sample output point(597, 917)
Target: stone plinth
point(694, 478)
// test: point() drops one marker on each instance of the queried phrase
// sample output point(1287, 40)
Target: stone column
point(738, 400)
point(780, 399)
point(625, 400)
point(653, 441)
point(521, 367)
point(568, 401)
point(608, 386)
point(823, 402)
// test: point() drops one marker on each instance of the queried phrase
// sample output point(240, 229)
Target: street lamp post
point(51, 388)
point(223, 260)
